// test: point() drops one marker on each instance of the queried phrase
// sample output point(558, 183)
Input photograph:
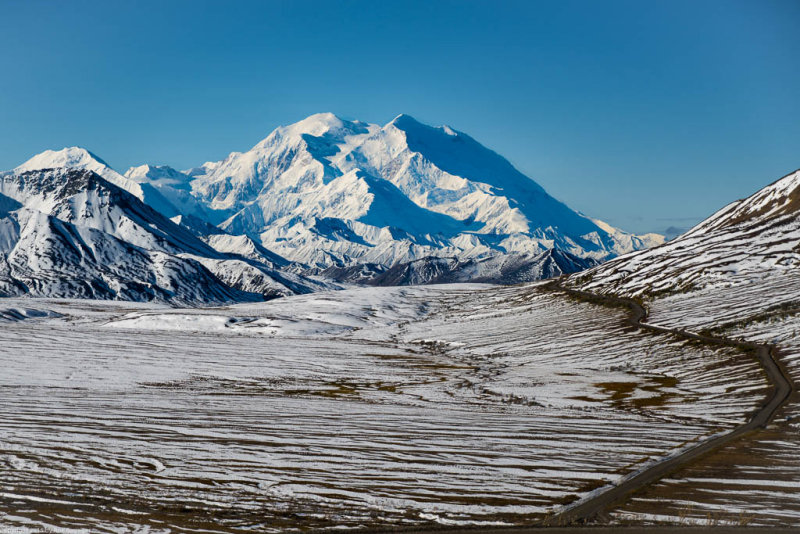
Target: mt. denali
point(330, 192)
point(324, 196)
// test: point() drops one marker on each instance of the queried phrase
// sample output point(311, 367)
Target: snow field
point(368, 407)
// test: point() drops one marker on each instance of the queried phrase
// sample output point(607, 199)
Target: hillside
point(71, 233)
point(755, 237)
point(734, 275)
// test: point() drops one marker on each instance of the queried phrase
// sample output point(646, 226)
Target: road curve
point(782, 387)
point(572, 518)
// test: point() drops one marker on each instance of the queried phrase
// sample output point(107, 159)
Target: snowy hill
point(69, 232)
point(736, 274)
point(331, 192)
point(749, 239)
point(158, 194)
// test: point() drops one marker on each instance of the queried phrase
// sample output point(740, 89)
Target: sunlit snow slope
point(331, 192)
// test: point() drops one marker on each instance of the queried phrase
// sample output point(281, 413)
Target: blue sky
point(646, 114)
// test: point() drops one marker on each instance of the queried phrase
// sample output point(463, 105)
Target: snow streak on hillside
point(374, 407)
point(749, 239)
point(735, 274)
point(758, 477)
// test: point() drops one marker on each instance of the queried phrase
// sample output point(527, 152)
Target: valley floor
point(365, 408)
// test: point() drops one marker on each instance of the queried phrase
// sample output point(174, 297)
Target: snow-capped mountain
point(172, 185)
point(400, 203)
point(80, 158)
point(331, 192)
point(69, 232)
point(748, 239)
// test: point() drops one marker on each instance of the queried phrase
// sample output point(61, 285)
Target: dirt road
point(782, 386)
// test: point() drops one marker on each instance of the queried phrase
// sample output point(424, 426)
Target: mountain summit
point(331, 192)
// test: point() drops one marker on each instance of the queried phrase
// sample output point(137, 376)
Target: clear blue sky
point(644, 113)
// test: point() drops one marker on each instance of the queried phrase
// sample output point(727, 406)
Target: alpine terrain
point(327, 192)
point(76, 228)
point(321, 201)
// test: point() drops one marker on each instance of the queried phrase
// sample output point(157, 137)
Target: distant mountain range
point(320, 202)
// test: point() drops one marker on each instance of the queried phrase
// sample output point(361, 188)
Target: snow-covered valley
point(360, 408)
point(733, 275)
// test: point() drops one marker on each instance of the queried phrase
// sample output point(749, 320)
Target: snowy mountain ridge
point(748, 240)
point(326, 191)
point(330, 197)
point(69, 232)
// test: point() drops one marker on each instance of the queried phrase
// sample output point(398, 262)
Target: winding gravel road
point(572, 519)
point(782, 386)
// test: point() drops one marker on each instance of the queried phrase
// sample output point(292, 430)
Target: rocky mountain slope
point(749, 239)
point(504, 269)
point(69, 232)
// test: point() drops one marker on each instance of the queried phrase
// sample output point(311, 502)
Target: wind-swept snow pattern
point(755, 481)
point(736, 275)
point(375, 407)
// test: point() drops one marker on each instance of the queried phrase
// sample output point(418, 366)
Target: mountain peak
point(79, 158)
point(161, 174)
point(141, 169)
point(73, 156)
point(403, 191)
point(411, 126)
point(325, 116)
point(317, 125)
point(403, 120)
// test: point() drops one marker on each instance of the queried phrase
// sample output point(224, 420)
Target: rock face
point(69, 232)
point(504, 269)
point(752, 238)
